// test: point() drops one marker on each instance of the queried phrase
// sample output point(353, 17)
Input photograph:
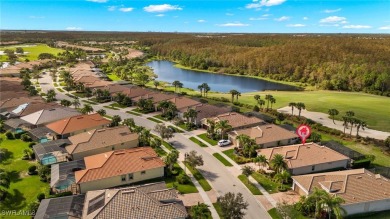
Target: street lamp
point(185, 157)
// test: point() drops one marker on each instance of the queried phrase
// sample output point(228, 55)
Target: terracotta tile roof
point(12, 94)
point(12, 84)
point(50, 115)
point(122, 162)
point(76, 123)
point(136, 91)
point(31, 107)
point(97, 84)
point(303, 155)
point(237, 120)
point(135, 202)
point(207, 110)
point(17, 101)
point(114, 88)
point(184, 102)
point(155, 96)
point(86, 79)
point(16, 68)
point(100, 138)
point(354, 186)
point(266, 133)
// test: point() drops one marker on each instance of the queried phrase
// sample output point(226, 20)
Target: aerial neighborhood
point(90, 133)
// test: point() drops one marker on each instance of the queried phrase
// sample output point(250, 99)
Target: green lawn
point(110, 107)
point(160, 151)
point(267, 183)
point(117, 105)
point(229, 153)
point(160, 117)
point(90, 102)
point(23, 188)
point(134, 113)
point(154, 120)
point(223, 160)
point(33, 51)
point(113, 77)
point(209, 140)
point(217, 207)
point(60, 90)
point(371, 108)
point(55, 85)
point(184, 189)
point(81, 95)
point(198, 176)
point(168, 146)
point(196, 141)
point(177, 130)
point(274, 214)
point(254, 190)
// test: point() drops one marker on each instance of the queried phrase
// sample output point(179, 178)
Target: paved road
point(216, 173)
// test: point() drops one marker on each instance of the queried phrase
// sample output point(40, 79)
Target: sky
point(244, 16)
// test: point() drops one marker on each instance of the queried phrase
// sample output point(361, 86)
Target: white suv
point(222, 142)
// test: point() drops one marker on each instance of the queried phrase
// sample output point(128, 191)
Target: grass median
point(154, 120)
point(207, 139)
point(223, 160)
point(196, 141)
point(198, 176)
point(254, 190)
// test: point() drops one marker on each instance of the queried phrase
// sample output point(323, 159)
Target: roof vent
point(358, 177)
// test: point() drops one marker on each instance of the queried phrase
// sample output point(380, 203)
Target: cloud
point(267, 3)
point(384, 28)
point(356, 27)
point(235, 24)
point(258, 18)
point(283, 18)
point(111, 8)
point(305, 18)
point(126, 9)
point(161, 8)
point(334, 19)
point(36, 17)
point(332, 11)
point(160, 15)
point(296, 25)
point(98, 1)
point(266, 15)
point(201, 21)
point(74, 28)
point(229, 14)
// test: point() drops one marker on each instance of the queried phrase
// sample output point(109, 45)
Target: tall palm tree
point(261, 103)
point(206, 89)
point(129, 123)
point(352, 122)
point(176, 84)
point(223, 126)
point(268, 97)
point(345, 122)
point(191, 115)
point(292, 105)
point(200, 87)
point(233, 93)
point(76, 103)
point(300, 106)
point(333, 113)
point(283, 176)
point(87, 109)
point(261, 160)
point(237, 94)
point(242, 140)
point(171, 159)
point(360, 124)
point(200, 211)
point(51, 95)
point(210, 128)
point(257, 97)
point(278, 163)
point(272, 100)
point(163, 105)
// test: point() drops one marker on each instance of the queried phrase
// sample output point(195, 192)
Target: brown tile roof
point(10, 70)
point(155, 96)
point(207, 110)
point(85, 79)
point(237, 120)
point(17, 101)
point(266, 133)
point(136, 91)
point(303, 155)
point(97, 84)
point(100, 138)
point(10, 84)
point(16, 68)
point(114, 88)
point(32, 107)
point(117, 163)
point(354, 186)
point(12, 94)
point(184, 102)
point(76, 123)
point(145, 201)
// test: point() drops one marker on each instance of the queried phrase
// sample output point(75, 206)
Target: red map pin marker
point(303, 131)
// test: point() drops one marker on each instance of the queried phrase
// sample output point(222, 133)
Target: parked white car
point(223, 142)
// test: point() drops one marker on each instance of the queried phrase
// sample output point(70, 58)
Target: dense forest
point(332, 62)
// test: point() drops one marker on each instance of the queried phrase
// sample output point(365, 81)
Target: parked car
point(223, 142)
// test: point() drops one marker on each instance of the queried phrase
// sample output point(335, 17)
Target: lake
point(166, 71)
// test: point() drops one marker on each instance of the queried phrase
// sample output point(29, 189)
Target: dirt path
point(324, 120)
point(133, 53)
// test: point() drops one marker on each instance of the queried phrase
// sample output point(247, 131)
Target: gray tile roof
point(63, 173)
point(42, 149)
point(62, 207)
point(50, 115)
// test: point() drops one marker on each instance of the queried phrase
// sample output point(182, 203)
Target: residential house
point(98, 141)
point(63, 176)
point(118, 168)
point(144, 201)
point(204, 111)
point(68, 207)
point(78, 124)
point(114, 88)
point(46, 116)
point(135, 91)
point(97, 84)
point(266, 136)
point(156, 97)
point(28, 108)
point(51, 152)
point(5, 95)
point(9, 104)
point(85, 79)
point(236, 120)
point(16, 125)
point(362, 190)
point(184, 102)
point(308, 158)
point(12, 84)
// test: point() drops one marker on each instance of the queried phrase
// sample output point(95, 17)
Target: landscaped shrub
point(25, 137)
point(256, 108)
point(32, 170)
point(40, 197)
point(242, 160)
point(31, 144)
point(183, 179)
point(61, 194)
point(9, 135)
point(33, 207)
point(17, 135)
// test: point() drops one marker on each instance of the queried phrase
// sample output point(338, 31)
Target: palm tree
point(282, 177)
point(163, 105)
point(200, 87)
point(242, 140)
point(200, 211)
point(345, 122)
point(272, 100)
point(333, 113)
point(360, 124)
point(278, 163)
point(261, 103)
point(87, 109)
point(65, 102)
point(102, 112)
point(176, 84)
point(326, 202)
point(257, 97)
point(129, 123)
point(223, 126)
point(206, 88)
point(116, 119)
point(300, 106)
point(292, 105)
point(192, 114)
point(51, 95)
point(76, 103)
point(171, 159)
point(350, 113)
point(237, 94)
point(210, 128)
point(268, 97)
point(233, 93)
point(156, 84)
point(261, 161)
point(334, 206)
point(352, 121)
